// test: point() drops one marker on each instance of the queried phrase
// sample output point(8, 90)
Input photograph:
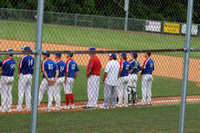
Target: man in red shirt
point(93, 75)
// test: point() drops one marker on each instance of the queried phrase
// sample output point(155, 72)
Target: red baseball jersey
point(95, 65)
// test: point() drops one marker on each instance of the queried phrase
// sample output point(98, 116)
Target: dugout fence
point(172, 77)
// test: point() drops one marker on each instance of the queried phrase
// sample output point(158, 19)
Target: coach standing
point(110, 77)
point(93, 75)
point(25, 71)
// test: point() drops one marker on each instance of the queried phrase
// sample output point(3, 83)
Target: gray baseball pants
point(110, 91)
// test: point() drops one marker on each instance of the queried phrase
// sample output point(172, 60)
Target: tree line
point(163, 10)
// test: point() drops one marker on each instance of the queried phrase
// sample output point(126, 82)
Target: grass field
point(133, 119)
point(96, 38)
point(162, 87)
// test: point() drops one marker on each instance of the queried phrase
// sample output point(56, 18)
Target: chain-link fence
point(83, 86)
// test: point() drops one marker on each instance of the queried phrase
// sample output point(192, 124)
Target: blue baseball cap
point(46, 54)
point(91, 48)
point(134, 54)
point(122, 54)
point(112, 55)
point(26, 48)
point(57, 54)
point(10, 49)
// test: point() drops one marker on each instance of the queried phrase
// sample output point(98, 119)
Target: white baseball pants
point(43, 87)
point(25, 82)
point(122, 85)
point(6, 92)
point(69, 85)
point(132, 81)
point(147, 80)
point(93, 90)
point(57, 90)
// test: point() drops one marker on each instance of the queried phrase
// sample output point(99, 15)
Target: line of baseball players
point(55, 75)
point(120, 80)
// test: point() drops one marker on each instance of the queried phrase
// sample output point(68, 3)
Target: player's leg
point(134, 88)
point(50, 95)
point(42, 89)
point(95, 91)
point(67, 94)
point(107, 93)
point(120, 91)
point(21, 89)
point(90, 85)
point(28, 92)
point(9, 98)
point(125, 84)
point(114, 96)
point(56, 92)
point(71, 95)
point(59, 90)
point(144, 87)
point(129, 88)
point(149, 85)
point(3, 95)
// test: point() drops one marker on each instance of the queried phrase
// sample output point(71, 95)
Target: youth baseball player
point(93, 75)
point(125, 69)
point(70, 76)
point(60, 80)
point(133, 78)
point(25, 71)
point(147, 79)
point(8, 68)
point(50, 75)
point(110, 77)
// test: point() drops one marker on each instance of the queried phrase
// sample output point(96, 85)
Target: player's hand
point(87, 75)
point(102, 81)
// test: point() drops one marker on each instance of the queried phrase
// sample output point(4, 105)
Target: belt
point(25, 74)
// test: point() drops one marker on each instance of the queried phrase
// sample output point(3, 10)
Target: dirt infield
point(155, 102)
point(165, 66)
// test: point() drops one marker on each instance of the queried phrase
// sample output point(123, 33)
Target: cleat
point(48, 109)
point(57, 108)
point(2, 110)
point(19, 109)
point(141, 103)
point(119, 105)
point(28, 109)
point(66, 107)
point(103, 107)
point(113, 107)
point(9, 110)
point(125, 105)
point(73, 106)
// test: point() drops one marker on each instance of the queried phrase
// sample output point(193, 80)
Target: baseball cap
point(112, 55)
point(57, 54)
point(46, 54)
point(134, 54)
point(26, 48)
point(10, 49)
point(122, 54)
point(91, 48)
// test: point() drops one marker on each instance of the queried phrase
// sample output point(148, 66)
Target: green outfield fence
point(72, 27)
point(90, 21)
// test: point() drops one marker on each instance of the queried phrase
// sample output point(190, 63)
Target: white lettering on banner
point(153, 26)
point(194, 29)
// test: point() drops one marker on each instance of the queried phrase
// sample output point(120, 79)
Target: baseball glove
point(198, 84)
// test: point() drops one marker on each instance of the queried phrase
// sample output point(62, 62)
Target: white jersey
point(112, 68)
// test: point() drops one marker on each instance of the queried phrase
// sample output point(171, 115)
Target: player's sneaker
point(103, 107)
point(119, 105)
point(125, 105)
point(9, 110)
point(113, 107)
point(73, 106)
point(67, 107)
point(28, 109)
point(141, 103)
point(48, 109)
point(148, 103)
point(19, 109)
point(2, 110)
point(57, 108)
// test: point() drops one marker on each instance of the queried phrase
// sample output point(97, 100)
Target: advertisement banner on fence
point(153, 26)
point(194, 29)
point(172, 28)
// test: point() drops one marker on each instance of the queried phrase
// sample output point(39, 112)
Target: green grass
point(132, 119)
point(161, 87)
point(96, 38)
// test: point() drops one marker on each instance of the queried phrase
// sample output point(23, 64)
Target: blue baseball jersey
point(26, 64)
point(8, 67)
point(50, 67)
point(136, 66)
point(125, 66)
point(71, 68)
point(62, 68)
point(148, 66)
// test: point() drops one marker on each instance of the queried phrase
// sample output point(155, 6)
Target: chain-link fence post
point(186, 66)
point(36, 72)
point(126, 17)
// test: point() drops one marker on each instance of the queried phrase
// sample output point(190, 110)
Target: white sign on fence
point(194, 29)
point(153, 26)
